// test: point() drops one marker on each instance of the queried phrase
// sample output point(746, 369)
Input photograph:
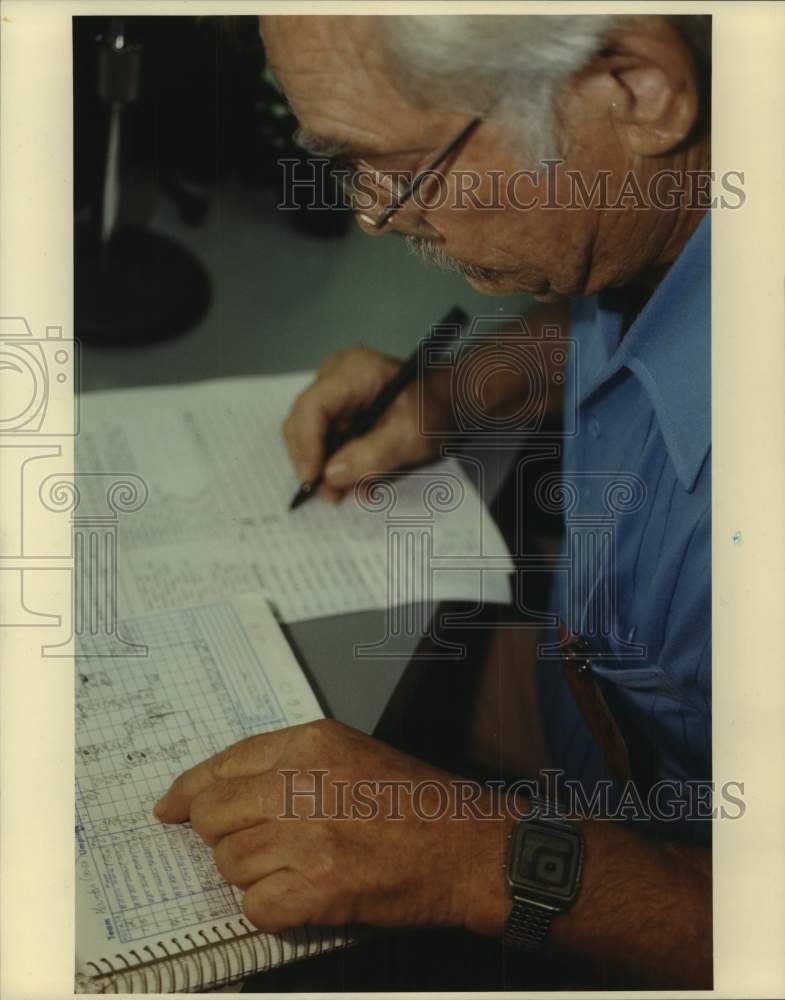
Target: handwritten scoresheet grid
point(140, 722)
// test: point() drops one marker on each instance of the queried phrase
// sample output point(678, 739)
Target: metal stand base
point(142, 287)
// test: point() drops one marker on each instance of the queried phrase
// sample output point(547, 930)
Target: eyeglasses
point(417, 181)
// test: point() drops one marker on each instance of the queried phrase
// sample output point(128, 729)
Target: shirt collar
point(668, 349)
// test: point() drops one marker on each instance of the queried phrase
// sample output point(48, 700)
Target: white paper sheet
point(217, 520)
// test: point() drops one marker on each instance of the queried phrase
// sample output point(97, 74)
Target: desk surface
point(353, 688)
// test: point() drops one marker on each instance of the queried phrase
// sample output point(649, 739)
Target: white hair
point(515, 65)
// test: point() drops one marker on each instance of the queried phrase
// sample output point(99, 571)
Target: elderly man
point(613, 241)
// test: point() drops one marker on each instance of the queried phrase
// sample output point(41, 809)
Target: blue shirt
point(638, 524)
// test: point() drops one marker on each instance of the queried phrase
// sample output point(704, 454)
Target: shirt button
point(594, 427)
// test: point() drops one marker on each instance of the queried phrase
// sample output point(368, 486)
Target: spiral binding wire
point(230, 956)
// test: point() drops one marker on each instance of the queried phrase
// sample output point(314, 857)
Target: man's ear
point(646, 82)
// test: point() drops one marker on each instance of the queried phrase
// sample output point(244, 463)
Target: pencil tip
point(301, 496)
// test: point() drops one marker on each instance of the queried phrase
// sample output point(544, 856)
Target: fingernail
point(336, 474)
point(160, 805)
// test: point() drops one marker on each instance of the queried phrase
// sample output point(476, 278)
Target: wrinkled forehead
point(337, 80)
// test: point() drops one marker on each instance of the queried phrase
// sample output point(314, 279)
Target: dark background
point(199, 149)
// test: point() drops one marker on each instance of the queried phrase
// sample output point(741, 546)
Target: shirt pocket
point(650, 680)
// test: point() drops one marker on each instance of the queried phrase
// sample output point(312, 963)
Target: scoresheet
point(212, 675)
point(217, 517)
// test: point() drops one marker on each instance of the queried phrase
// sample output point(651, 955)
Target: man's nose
point(404, 222)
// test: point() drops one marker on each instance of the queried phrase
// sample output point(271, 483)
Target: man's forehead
point(339, 49)
point(337, 83)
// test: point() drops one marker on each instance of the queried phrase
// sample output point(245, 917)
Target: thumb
point(380, 450)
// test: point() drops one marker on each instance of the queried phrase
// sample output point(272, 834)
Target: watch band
point(527, 925)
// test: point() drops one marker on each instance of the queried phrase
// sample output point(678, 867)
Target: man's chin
point(489, 286)
point(549, 296)
point(509, 284)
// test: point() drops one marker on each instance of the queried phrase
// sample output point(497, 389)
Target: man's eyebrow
point(325, 145)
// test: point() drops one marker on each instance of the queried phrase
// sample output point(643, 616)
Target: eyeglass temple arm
point(423, 174)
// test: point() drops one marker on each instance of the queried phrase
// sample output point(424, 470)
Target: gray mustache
point(432, 253)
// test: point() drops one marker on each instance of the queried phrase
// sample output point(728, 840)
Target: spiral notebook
point(152, 912)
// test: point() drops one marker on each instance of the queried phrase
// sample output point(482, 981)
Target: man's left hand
point(320, 824)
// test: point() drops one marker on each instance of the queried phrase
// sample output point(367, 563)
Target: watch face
point(545, 860)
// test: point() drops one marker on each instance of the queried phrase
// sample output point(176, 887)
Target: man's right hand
point(350, 380)
point(346, 383)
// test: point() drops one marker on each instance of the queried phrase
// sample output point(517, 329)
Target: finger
point(330, 362)
point(312, 414)
point(304, 433)
point(253, 755)
point(386, 447)
point(278, 902)
point(330, 493)
point(248, 855)
point(225, 807)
